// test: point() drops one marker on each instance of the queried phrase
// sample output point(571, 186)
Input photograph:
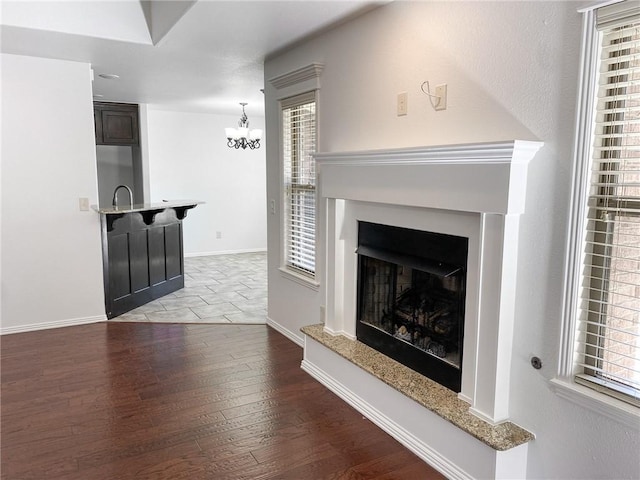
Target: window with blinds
point(609, 327)
point(299, 144)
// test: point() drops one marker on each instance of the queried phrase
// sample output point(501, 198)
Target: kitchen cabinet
point(116, 123)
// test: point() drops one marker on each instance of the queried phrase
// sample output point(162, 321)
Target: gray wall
point(115, 167)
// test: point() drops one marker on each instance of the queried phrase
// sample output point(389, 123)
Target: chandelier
point(242, 137)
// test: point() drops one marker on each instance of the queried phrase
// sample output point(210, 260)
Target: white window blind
point(609, 327)
point(299, 145)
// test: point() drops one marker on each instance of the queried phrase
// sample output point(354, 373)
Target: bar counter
point(142, 252)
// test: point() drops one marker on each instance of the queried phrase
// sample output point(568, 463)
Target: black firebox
point(411, 291)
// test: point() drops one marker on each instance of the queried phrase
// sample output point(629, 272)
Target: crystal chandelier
point(242, 137)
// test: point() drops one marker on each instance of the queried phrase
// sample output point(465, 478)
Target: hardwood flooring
point(167, 401)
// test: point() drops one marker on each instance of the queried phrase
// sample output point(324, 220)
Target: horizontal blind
point(299, 145)
point(609, 336)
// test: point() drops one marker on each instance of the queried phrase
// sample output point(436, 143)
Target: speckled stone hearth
point(426, 392)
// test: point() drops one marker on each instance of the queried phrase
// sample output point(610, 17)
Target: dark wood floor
point(161, 401)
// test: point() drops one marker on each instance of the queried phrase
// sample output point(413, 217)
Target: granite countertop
point(431, 395)
point(141, 207)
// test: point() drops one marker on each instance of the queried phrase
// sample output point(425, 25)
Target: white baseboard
point(55, 324)
point(225, 252)
point(286, 332)
point(406, 438)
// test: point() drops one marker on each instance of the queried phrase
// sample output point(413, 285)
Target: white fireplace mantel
point(473, 190)
point(483, 178)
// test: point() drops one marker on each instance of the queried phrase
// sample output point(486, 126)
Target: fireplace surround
point(474, 191)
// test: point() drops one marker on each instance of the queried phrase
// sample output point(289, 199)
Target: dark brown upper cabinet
point(116, 123)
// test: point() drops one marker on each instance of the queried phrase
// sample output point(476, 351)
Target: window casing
point(299, 140)
point(602, 345)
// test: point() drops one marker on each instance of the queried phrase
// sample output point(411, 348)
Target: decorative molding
point(55, 324)
point(149, 216)
point(406, 438)
point(579, 193)
point(297, 76)
point(340, 333)
point(510, 152)
point(111, 220)
point(481, 415)
point(481, 177)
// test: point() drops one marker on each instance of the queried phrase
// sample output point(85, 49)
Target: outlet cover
point(441, 91)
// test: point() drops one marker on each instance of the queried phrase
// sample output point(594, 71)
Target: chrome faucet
point(115, 196)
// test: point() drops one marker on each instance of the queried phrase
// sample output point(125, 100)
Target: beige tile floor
point(218, 289)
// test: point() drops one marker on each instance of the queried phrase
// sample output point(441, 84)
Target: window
point(606, 328)
point(298, 147)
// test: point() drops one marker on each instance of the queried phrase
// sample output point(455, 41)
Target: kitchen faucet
point(115, 196)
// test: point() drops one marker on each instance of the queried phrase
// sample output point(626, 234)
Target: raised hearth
point(438, 399)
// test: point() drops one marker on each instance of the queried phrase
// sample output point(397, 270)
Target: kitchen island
point(142, 252)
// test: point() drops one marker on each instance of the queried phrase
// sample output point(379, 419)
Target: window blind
point(609, 328)
point(299, 145)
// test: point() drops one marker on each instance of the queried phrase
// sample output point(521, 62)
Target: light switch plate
point(402, 103)
point(83, 203)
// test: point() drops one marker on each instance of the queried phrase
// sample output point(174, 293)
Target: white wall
point(51, 251)
point(512, 73)
point(189, 159)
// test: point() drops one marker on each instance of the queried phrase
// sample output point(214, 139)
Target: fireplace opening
point(411, 291)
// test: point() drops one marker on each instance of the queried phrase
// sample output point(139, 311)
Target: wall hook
point(439, 104)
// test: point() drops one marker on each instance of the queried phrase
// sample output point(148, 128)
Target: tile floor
point(218, 289)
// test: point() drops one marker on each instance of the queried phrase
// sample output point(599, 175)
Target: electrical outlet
point(402, 103)
point(441, 91)
point(218, 235)
point(272, 207)
point(83, 204)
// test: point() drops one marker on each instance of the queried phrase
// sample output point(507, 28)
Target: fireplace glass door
point(411, 290)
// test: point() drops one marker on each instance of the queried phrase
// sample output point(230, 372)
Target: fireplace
point(475, 192)
point(411, 291)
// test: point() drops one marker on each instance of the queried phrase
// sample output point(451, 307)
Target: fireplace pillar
point(495, 317)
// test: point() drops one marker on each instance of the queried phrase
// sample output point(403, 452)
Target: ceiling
point(204, 55)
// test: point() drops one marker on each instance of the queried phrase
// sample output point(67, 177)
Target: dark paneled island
point(142, 253)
